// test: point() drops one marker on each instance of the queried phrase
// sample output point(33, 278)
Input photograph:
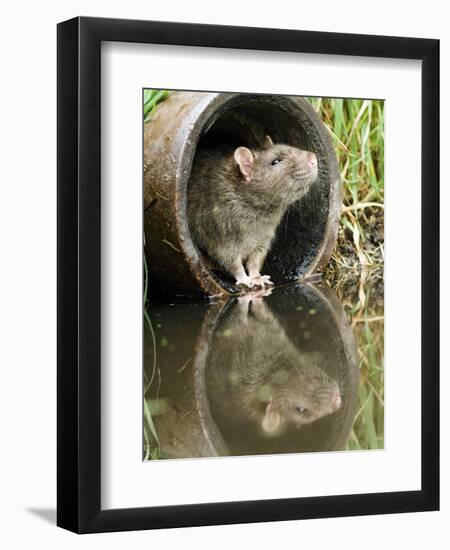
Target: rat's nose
point(336, 401)
point(312, 159)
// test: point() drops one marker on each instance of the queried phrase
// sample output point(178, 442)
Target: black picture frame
point(79, 276)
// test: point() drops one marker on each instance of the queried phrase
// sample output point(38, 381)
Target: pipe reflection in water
point(254, 375)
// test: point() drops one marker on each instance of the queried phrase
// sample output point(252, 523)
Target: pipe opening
point(245, 121)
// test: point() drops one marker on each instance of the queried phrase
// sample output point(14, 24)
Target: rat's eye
point(275, 161)
point(301, 410)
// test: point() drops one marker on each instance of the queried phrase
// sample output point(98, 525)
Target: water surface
point(280, 373)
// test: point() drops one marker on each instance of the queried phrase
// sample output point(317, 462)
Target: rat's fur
point(236, 200)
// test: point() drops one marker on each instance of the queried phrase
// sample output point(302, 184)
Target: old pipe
point(185, 122)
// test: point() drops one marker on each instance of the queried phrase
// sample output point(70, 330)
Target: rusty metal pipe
point(185, 121)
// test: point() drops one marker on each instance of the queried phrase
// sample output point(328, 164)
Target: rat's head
point(306, 395)
point(277, 170)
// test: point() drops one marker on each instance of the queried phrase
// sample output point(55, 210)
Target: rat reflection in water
point(256, 375)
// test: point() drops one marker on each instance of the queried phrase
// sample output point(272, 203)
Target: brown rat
point(256, 373)
point(237, 199)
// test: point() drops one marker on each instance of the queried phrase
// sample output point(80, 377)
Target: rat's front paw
point(245, 281)
point(261, 280)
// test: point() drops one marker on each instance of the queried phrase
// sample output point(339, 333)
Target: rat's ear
point(272, 418)
point(267, 142)
point(245, 161)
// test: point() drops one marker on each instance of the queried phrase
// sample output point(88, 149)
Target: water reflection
point(254, 375)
